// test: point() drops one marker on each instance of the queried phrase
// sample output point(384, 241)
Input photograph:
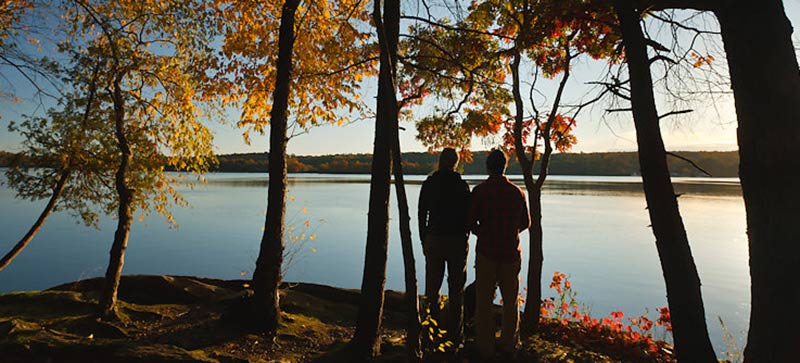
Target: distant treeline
point(718, 163)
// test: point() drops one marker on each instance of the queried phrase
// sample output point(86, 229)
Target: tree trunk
point(57, 190)
point(108, 298)
point(680, 274)
point(530, 317)
point(532, 313)
point(766, 86)
point(366, 342)
point(267, 275)
point(412, 298)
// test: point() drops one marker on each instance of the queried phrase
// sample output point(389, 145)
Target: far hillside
point(717, 163)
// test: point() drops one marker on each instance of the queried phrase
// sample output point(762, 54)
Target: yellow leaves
point(304, 210)
point(328, 59)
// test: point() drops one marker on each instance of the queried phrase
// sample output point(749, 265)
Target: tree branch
point(673, 113)
point(690, 162)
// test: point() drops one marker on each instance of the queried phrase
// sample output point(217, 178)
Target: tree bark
point(766, 85)
point(267, 274)
point(108, 298)
point(411, 296)
point(366, 341)
point(530, 317)
point(680, 274)
point(17, 249)
point(532, 312)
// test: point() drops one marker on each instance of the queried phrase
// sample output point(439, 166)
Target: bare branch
point(664, 58)
point(673, 113)
point(690, 162)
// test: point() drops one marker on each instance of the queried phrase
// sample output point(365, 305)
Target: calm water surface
point(596, 231)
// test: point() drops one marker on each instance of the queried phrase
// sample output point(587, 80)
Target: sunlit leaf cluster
point(156, 49)
point(66, 141)
point(332, 55)
point(462, 73)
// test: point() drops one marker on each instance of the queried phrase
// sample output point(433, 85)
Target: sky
point(711, 127)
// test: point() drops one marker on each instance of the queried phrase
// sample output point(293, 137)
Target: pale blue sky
point(711, 127)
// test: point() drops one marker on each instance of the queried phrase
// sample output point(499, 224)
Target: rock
point(150, 290)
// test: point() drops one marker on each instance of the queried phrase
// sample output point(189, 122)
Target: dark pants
point(452, 251)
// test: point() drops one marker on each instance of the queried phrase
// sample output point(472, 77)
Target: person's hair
point(448, 159)
point(496, 162)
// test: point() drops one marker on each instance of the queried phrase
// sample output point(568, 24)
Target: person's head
point(448, 159)
point(496, 162)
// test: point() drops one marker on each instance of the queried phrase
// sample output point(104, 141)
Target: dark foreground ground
point(190, 319)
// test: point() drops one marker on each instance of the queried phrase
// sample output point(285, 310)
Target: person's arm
point(525, 216)
point(465, 204)
point(472, 215)
point(422, 211)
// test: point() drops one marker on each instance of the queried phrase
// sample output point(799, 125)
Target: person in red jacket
point(443, 204)
point(498, 213)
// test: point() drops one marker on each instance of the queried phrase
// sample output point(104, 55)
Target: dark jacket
point(443, 205)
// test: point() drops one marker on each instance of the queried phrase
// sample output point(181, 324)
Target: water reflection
point(596, 229)
point(566, 185)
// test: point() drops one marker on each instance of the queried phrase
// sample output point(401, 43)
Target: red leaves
point(664, 319)
point(556, 283)
point(563, 319)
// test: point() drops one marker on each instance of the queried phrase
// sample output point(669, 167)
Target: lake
point(595, 230)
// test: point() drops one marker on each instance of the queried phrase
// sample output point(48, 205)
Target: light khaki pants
point(488, 275)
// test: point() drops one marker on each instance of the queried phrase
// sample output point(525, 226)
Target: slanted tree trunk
point(17, 249)
point(267, 275)
point(680, 274)
point(366, 341)
point(766, 87)
point(64, 176)
point(411, 297)
point(108, 298)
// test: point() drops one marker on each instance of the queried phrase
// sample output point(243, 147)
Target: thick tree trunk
point(680, 274)
point(108, 298)
point(17, 249)
point(766, 86)
point(267, 275)
point(412, 298)
point(366, 342)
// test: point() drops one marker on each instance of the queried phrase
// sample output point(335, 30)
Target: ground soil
point(191, 319)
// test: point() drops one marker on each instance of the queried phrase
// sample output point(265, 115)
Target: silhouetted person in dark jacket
point(443, 206)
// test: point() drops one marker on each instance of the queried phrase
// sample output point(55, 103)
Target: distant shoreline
point(717, 163)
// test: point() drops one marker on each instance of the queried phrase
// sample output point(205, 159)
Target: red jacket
point(497, 214)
